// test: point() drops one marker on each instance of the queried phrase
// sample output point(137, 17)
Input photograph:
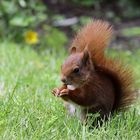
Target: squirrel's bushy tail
point(95, 37)
point(122, 79)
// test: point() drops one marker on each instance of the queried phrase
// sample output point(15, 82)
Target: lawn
point(28, 110)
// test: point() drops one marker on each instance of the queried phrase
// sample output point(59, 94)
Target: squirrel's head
point(77, 69)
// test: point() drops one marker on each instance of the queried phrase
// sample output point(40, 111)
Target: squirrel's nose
point(64, 80)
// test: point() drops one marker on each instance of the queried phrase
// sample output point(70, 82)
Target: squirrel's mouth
point(71, 87)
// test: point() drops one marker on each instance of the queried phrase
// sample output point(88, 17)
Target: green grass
point(129, 32)
point(28, 110)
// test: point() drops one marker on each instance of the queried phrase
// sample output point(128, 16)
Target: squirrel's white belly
point(75, 110)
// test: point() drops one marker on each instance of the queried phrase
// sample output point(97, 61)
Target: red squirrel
point(91, 80)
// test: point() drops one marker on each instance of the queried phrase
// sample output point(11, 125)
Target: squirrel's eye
point(76, 70)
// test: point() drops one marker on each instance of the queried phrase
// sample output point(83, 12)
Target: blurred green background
point(51, 24)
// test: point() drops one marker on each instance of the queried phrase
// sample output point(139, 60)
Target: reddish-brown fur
point(102, 84)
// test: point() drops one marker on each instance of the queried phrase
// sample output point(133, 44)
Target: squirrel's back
point(95, 37)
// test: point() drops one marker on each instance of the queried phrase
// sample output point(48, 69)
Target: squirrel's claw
point(56, 92)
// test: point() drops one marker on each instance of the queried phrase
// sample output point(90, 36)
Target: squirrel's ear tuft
point(73, 50)
point(85, 56)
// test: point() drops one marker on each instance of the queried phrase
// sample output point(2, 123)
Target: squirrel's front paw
point(56, 92)
point(64, 92)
